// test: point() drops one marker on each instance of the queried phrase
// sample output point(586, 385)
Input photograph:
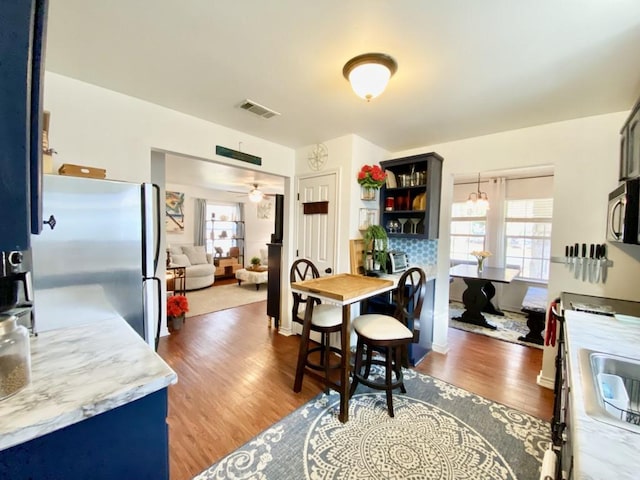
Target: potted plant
point(376, 243)
point(255, 262)
point(370, 178)
point(177, 306)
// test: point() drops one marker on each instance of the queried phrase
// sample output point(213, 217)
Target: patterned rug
point(510, 327)
point(439, 432)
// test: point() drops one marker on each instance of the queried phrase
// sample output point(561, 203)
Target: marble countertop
point(80, 372)
point(601, 451)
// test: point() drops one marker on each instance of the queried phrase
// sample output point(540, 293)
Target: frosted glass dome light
point(369, 74)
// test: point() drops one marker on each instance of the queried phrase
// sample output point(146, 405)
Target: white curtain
point(200, 221)
point(495, 239)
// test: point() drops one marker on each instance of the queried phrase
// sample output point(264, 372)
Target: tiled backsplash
point(420, 252)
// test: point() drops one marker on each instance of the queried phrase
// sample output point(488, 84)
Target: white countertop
point(80, 372)
point(601, 451)
point(430, 271)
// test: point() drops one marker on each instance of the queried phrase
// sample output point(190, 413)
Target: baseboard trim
point(545, 382)
point(440, 348)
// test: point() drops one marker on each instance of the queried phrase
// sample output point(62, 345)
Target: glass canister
point(15, 356)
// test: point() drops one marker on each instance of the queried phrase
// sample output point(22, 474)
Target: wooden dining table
point(342, 289)
point(477, 297)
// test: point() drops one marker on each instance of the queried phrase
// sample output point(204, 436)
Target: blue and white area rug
point(439, 432)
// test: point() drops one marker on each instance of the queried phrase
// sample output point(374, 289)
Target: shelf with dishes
point(410, 198)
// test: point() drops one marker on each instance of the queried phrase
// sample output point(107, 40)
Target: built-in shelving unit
point(227, 237)
point(410, 201)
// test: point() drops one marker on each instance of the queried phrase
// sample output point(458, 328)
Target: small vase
point(480, 264)
point(367, 193)
point(177, 322)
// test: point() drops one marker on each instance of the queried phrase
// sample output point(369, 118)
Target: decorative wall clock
point(318, 156)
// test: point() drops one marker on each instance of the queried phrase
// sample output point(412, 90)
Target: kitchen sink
point(611, 387)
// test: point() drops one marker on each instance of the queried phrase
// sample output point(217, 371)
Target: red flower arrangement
point(371, 176)
point(177, 305)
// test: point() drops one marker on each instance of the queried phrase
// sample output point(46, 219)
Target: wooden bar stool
point(314, 317)
point(389, 336)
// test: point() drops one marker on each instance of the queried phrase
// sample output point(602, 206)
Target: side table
point(177, 280)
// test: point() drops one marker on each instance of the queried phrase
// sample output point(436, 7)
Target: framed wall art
point(174, 212)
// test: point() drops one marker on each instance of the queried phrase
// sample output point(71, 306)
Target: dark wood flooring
point(235, 379)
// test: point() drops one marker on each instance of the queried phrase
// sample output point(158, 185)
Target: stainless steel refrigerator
point(97, 254)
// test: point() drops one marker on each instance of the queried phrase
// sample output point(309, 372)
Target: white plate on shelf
point(627, 318)
point(391, 179)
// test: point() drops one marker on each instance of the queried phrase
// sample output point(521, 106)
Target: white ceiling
point(465, 67)
point(216, 176)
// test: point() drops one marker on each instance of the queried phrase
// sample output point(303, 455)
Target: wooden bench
point(534, 305)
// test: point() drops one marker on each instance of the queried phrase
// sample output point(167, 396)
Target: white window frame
point(468, 219)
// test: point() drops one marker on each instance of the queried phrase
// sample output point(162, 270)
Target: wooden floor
point(235, 378)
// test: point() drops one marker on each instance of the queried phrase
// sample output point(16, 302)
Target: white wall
point(584, 154)
point(101, 128)
point(258, 230)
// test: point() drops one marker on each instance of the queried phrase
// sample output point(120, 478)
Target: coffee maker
point(16, 290)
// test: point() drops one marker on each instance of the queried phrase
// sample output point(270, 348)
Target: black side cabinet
point(410, 204)
point(274, 251)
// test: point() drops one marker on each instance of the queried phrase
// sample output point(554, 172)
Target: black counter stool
point(389, 336)
point(324, 319)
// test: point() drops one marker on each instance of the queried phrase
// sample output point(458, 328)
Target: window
point(468, 230)
point(528, 236)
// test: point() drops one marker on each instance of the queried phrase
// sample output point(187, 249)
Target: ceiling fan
point(256, 195)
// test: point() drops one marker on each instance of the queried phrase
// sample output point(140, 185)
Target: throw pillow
point(175, 250)
point(180, 261)
point(197, 255)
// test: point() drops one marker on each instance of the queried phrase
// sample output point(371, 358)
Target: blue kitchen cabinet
point(416, 351)
point(128, 442)
point(22, 40)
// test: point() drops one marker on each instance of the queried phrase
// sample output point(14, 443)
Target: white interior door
point(317, 231)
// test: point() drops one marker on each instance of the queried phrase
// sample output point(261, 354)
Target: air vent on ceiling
point(258, 109)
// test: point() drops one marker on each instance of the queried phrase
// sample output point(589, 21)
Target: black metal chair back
point(301, 269)
point(410, 296)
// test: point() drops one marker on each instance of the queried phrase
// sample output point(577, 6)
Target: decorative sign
point(311, 208)
point(174, 209)
point(236, 155)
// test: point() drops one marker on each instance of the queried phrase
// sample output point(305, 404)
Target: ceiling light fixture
point(255, 195)
point(369, 74)
point(479, 199)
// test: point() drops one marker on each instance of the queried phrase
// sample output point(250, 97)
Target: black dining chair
point(325, 319)
point(389, 336)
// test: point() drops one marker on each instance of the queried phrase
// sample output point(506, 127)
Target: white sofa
point(200, 269)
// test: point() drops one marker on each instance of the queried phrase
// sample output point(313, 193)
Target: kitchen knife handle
point(592, 248)
point(566, 250)
point(584, 250)
point(576, 250)
point(604, 250)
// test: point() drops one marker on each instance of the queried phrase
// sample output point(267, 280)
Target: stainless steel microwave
point(623, 213)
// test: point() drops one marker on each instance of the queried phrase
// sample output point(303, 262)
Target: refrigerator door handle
point(156, 227)
point(156, 257)
point(158, 292)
